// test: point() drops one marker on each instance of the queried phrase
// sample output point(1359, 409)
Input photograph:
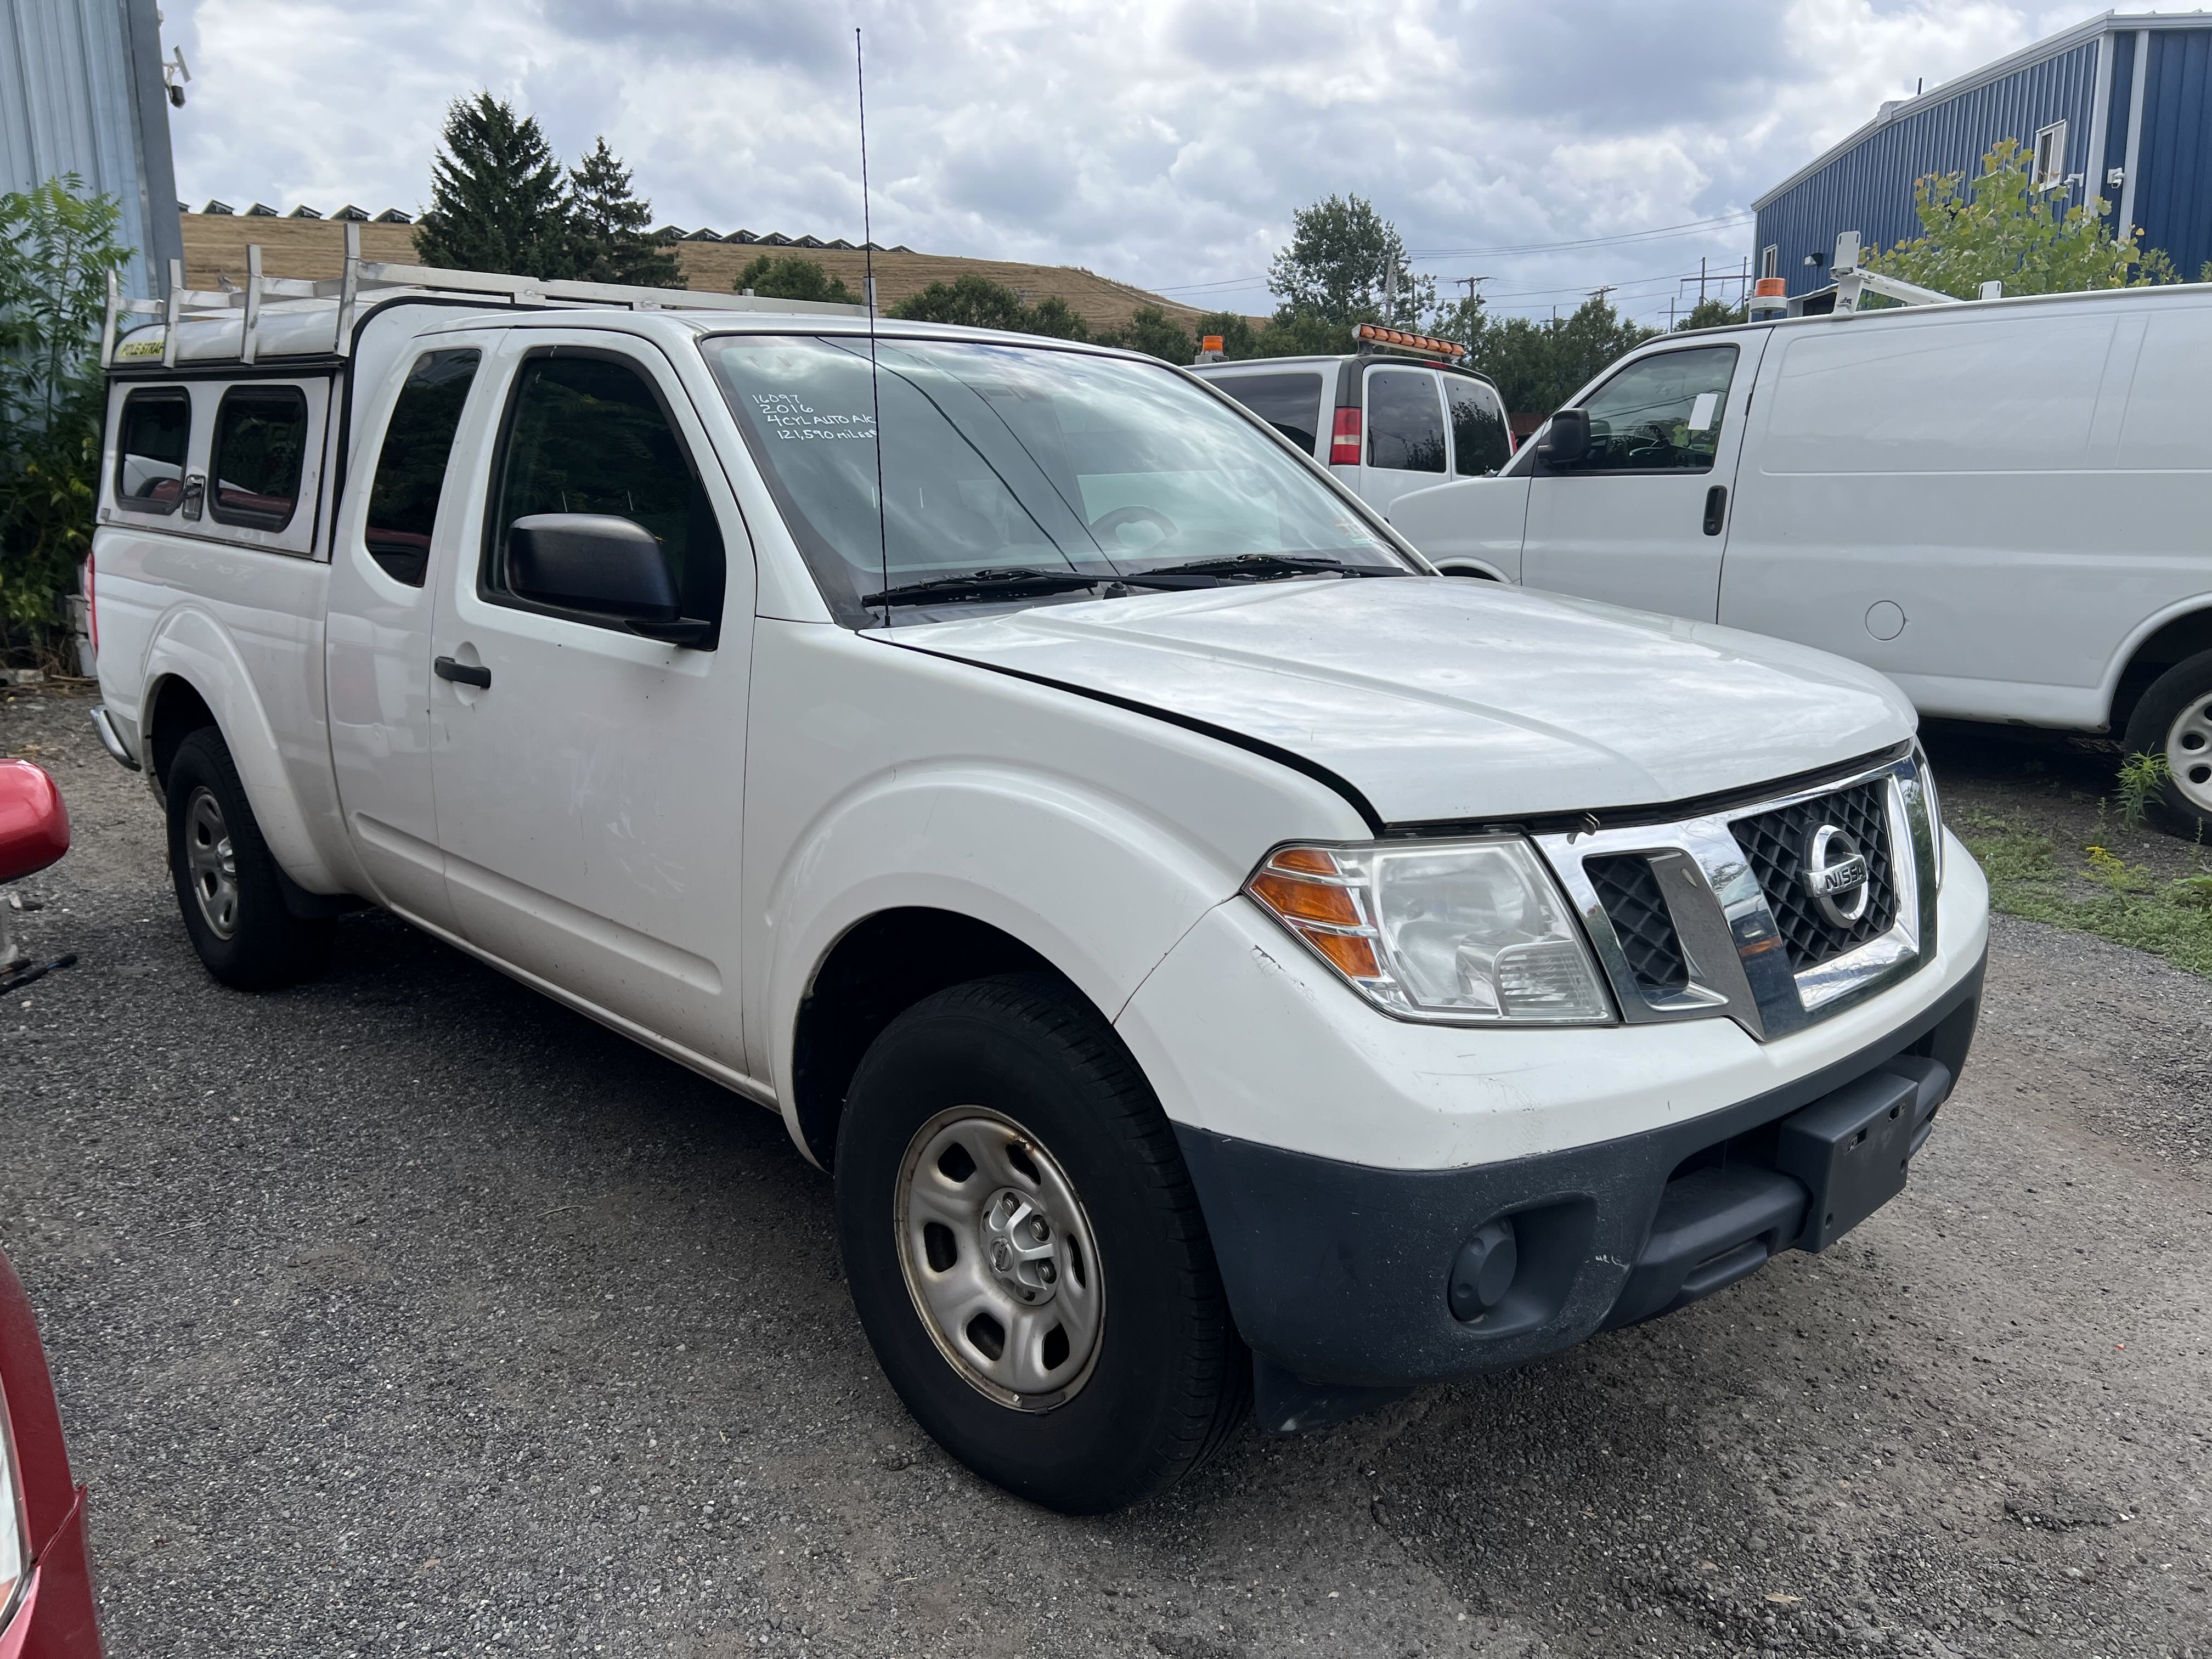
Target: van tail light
point(1344, 439)
point(92, 605)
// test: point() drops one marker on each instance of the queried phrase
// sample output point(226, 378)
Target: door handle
point(461, 673)
point(1716, 509)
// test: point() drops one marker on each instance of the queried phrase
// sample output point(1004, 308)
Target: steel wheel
point(999, 1258)
point(212, 861)
point(2188, 753)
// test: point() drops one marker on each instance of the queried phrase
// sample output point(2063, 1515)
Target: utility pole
point(1701, 279)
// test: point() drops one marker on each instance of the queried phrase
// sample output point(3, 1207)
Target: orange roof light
point(1771, 288)
point(1210, 343)
point(1422, 343)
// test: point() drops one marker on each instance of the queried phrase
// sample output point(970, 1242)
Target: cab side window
point(259, 450)
point(1661, 415)
point(150, 447)
point(1479, 446)
point(410, 470)
point(589, 435)
point(1405, 421)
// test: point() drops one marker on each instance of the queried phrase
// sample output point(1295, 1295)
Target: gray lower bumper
point(110, 738)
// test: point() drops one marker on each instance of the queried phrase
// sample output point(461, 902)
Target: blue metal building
point(83, 91)
point(2119, 108)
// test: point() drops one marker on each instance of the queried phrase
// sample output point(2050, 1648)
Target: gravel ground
point(405, 1313)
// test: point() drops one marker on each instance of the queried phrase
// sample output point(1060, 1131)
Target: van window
point(411, 471)
point(1405, 421)
point(588, 435)
point(1479, 445)
point(1289, 403)
point(260, 448)
point(1994, 394)
point(1662, 414)
point(2164, 423)
point(150, 446)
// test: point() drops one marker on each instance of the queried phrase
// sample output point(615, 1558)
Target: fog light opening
point(1483, 1270)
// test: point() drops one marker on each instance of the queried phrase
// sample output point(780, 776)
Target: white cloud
point(1163, 142)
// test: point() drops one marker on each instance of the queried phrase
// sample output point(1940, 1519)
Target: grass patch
point(2095, 891)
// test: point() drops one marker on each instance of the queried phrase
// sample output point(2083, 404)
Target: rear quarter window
point(258, 454)
point(1289, 403)
point(151, 443)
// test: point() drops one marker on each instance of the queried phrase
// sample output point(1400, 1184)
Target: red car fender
point(55, 1616)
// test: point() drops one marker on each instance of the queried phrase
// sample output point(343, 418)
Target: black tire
point(245, 935)
point(2172, 720)
point(1168, 1380)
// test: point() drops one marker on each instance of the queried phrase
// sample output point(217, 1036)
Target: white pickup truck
point(1216, 955)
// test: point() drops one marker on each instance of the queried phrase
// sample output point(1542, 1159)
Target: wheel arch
point(2160, 642)
point(195, 678)
point(877, 969)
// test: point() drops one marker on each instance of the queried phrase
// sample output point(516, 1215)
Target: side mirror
point(34, 827)
point(591, 561)
point(1567, 440)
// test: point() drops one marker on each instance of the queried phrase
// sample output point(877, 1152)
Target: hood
point(1439, 698)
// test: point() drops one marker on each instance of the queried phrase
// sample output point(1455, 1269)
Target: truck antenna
point(875, 394)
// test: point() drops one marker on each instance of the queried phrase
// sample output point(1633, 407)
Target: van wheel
point(1026, 1253)
point(227, 883)
point(2175, 719)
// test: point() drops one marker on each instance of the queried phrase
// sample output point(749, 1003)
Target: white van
point(2001, 504)
point(1384, 424)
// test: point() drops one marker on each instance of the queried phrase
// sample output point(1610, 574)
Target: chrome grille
point(1776, 844)
point(1711, 916)
point(1630, 893)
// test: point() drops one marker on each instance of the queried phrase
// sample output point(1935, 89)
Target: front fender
point(1091, 882)
point(189, 644)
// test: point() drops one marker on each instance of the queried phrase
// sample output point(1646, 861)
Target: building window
point(2050, 156)
point(1769, 261)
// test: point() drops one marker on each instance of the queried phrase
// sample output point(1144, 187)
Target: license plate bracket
point(1850, 1149)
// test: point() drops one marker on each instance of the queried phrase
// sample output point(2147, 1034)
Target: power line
point(1656, 234)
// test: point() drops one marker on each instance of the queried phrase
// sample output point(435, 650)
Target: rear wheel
point(2175, 720)
point(227, 886)
point(1026, 1253)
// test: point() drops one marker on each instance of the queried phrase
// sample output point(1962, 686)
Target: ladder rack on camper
point(243, 318)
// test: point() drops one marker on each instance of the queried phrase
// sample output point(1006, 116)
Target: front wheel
point(228, 887)
point(2175, 720)
point(1026, 1253)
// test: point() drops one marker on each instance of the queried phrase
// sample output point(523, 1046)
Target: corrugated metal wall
point(2173, 169)
point(80, 91)
point(1869, 189)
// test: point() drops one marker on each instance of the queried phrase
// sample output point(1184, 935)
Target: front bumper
point(1340, 1274)
point(1345, 1159)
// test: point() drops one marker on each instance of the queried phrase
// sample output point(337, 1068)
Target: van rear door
point(1289, 400)
point(1406, 447)
point(1642, 520)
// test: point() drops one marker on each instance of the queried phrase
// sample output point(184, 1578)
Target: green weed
point(2101, 893)
point(2142, 784)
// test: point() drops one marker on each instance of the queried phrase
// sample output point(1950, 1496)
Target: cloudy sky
point(1547, 149)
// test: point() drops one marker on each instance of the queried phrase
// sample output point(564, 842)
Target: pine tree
point(608, 241)
point(497, 199)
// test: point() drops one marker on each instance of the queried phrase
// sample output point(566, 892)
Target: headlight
point(1931, 804)
point(1461, 932)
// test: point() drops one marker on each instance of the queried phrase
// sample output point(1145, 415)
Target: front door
point(590, 781)
point(1641, 521)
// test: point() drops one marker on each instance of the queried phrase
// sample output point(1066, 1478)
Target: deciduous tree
point(792, 277)
point(1999, 226)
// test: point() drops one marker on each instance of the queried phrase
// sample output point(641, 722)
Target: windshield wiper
point(1003, 583)
point(1263, 565)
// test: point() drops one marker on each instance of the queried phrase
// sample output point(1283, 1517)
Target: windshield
point(1056, 464)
